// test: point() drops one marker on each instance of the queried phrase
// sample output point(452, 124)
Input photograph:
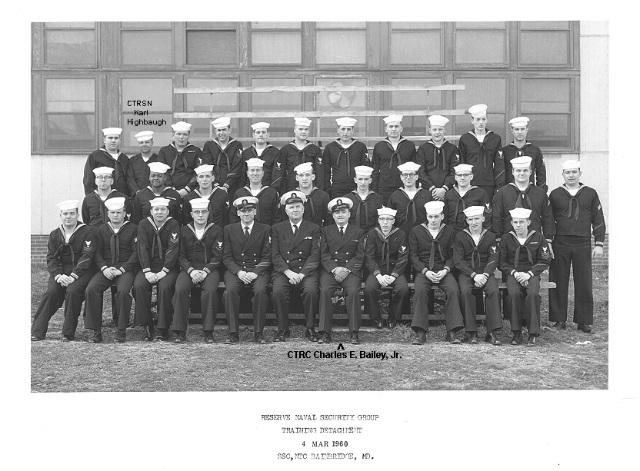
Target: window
point(490, 91)
point(70, 44)
point(416, 43)
point(70, 114)
point(342, 101)
point(341, 43)
point(211, 43)
point(220, 102)
point(276, 101)
point(547, 103)
point(481, 43)
point(147, 106)
point(276, 43)
point(544, 43)
point(147, 44)
point(416, 100)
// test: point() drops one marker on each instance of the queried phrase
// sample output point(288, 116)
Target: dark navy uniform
point(268, 203)
point(204, 253)
point(141, 207)
point(410, 211)
point(534, 198)
point(181, 175)
point(66, 258)
point(299, 253)
point(94, 212)
point(290, 157)
point(272, 166)
point(138, 172)
point(227, 162)
point(158, 250)
point(250, 255)
point(437, 165)
point(119, 250)
point(538, 175)
point(102, 158)
point(218, 207)
point(316, 208)
point(364, 213)
point(385, 161)
point(386, 256)
point(341, 251)
point(339, 165)
point(486, 158)
point(454, 206)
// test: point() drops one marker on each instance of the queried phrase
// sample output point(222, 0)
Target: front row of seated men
point(83, 262)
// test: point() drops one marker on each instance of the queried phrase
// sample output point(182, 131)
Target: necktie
point(341, 231)
point(246, 232)
point(295, 229)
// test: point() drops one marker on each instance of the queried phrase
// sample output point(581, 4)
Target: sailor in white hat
point(268, 206)
point(224, 152)
point(116, 258)
point(94, 211)
point(217, 197)
point(386, 259)
point(522, 194)
point(394, 150)
point(432, 244)
point(70, 252)
point(437, 157)
point(158, 250)
point(342, 257)
point(201, 257)
point(299, 151)
point(158, 187)
point(409, 200)
point(315, 207)
point(524, 255)
point(340, 157)
point(475, 256)
point(138, 171)
point(521, 147)
point(463, 195)
point(182, 157)
point(247, 257)
point(578, 213)
point(482, 148)
point(264, 150)
point(365, 202)
point(108, 155)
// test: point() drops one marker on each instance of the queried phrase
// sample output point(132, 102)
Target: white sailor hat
point(254, 162)
point(463, 168)
point(112, 131)
point(302, 121)
point(103, 171)
point(409, 167)
point(260, 125)
point(291, 197)
point(246, 202)
point(434, 207)
point(68, 204)
point(221, 122)
point(394, 118)
point(144, 136)
point(363, 170)
point(478, 111)
point(519, 121)
point(199, 203)
point(437, 120)
point(384, 211)
point(115, 203)
point(159, 202)
point(350, 122)
point(303, 168)
point(521, 162)
point(181, 126)
point(473, 211)
point(520, 213)
point(203, 169)
point(570, 164)
point(158, 167)
point(339, 203)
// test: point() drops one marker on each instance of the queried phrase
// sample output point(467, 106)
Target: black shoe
point(287, 333)
point(324, 338)
point(354, 338)
point(451, 337)
point(121, 336)
point(259, 338)
point(531, 342)
point(97, 337)
point(378, 323)
point(149, 333)
point(517, 338)
point(68, 338)
point(279, 337)
point(35, 338)
point(162, 335)
point(584, 328)
point(560, 325)
point(473, 337)
point(420, 339)
point(232, 338)
point(391, 323)
point(208, 337)
point(181, 336)
point(310, 333)
point(493, 338)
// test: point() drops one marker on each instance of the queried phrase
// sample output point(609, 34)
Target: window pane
point(480, 47)
point(550, 130)
point(415, 25)
point(70, 47)
point(277, 101)
point(340, 25)
point(276, 48)
point(156, 25)
point(157, 94)
point(544, 25)
point(70, 114)
point(492, 92)
point(70, 24)
point(215, 25)
point(545, 96)
point(330, 47)
point(276, 24)
point(159, 123)
point(416, 47)
point(70, 96)
point(211, 47)
point(480, 25)
point(146, 48)
point(344, 101)
point(220, 102)
point(416, 125)
point(544, 47)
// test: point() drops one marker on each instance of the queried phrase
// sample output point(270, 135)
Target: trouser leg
point(468, 302)
point(328, 286)
point(93, 297)
point(351, 285)
point(73, 300)
point(398, 298)
point(280, 299)
point(209, 300)
point(182, 302)
point(166, 287)
point(453, 315)
point(142, 292)
point(493, 319)
point(260, 301)
point(310, 298)
point(420, 307)
point(532, 305)
point(372, 297)
point(231, 299)
point(514, 300)
point(559, 272)
point(50, 302)
point(123, 286)
point(583, 284)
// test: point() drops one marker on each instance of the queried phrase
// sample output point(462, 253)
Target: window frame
point(183, 30)
point(175, 57)
point(96, 31)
